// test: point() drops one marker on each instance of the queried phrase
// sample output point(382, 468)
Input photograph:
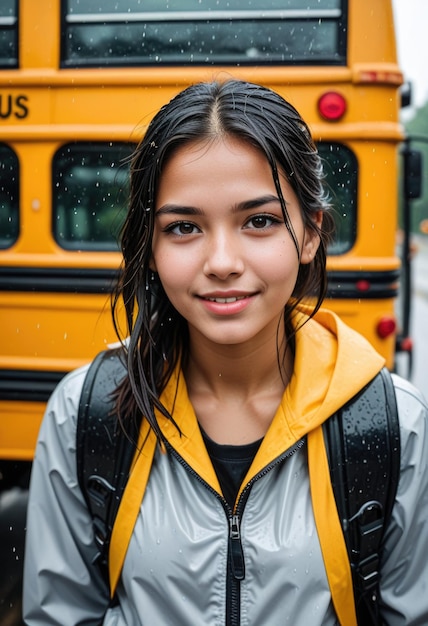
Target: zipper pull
point(235, 546)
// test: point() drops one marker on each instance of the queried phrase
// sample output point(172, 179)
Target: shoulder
point(412, 406)
point(62, 410)
point(58, 428)
point(405, 388)
point(413, 419)
point(404, 567)
point(57, 513)
point(65, 398)
point(70, 387)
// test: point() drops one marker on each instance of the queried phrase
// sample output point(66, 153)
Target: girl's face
point(221, 248)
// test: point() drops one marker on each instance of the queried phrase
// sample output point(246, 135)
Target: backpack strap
point(103, 452)
point(363, 448)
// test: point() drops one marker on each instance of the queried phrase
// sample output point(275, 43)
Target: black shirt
point(231, 463)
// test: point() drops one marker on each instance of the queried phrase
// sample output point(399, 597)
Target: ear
point(311, 240)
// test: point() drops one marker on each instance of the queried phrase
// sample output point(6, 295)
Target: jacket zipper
point(235, 572)
point(235, 546)
point(236, 562)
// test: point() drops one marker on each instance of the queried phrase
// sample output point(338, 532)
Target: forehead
point(213, 157)
point(216, 144)
point(224, 170)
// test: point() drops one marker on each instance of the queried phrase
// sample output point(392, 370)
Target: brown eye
point(261, 221)
point(182, 228)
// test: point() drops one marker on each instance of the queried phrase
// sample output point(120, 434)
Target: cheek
point(280, 263)
point(175, 272)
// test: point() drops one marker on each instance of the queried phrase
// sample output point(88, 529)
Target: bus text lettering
point(13, 106)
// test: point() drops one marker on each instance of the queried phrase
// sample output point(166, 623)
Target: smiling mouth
point(226, 300)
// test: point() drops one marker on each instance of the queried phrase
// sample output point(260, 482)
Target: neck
point(235, 390)
point(239, 370)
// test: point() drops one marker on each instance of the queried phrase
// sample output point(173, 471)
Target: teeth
point(225, 300)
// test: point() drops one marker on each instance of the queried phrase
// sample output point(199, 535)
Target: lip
point(229, 303)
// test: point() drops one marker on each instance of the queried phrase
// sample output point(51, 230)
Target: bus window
point(341, 169)
point(183, 32)
point(9, 197)
point(8, 34)
point(89, 194)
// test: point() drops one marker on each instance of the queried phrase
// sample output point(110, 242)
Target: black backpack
point(363, 449)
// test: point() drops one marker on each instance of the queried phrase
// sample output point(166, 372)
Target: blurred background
point(411, 21)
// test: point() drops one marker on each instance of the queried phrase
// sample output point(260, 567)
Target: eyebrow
point(246, 205)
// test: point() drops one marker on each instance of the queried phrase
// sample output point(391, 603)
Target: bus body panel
point(54, 292)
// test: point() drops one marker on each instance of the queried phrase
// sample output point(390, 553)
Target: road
point(419, 315)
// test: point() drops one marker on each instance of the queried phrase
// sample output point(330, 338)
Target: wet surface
point(419, 315)
point(13, 505)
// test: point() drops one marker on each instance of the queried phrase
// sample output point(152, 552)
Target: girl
point(235, 368)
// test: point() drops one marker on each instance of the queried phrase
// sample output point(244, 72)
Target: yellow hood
point(332, 363)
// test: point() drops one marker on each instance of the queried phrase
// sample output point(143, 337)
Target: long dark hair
point(158, 334)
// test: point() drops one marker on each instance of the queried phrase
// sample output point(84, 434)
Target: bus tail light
point(386, 327)
point(405, 344)
point(362, 285)
point(332, 106)
point(379, 76)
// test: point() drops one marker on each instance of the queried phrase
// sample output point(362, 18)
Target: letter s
point(21, 104)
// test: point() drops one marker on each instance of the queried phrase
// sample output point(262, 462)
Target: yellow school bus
point(79, 81)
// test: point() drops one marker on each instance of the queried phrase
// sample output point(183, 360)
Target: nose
point(223, 256)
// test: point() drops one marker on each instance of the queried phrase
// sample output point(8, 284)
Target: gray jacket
point(175, 567)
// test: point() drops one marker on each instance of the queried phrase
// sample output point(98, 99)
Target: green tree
point(416, 127)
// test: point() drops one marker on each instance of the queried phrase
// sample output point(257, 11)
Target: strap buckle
point(99, 491)
point(370, 520)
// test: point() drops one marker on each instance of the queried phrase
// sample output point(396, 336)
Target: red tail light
point(332, 106)
point(386, 327)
